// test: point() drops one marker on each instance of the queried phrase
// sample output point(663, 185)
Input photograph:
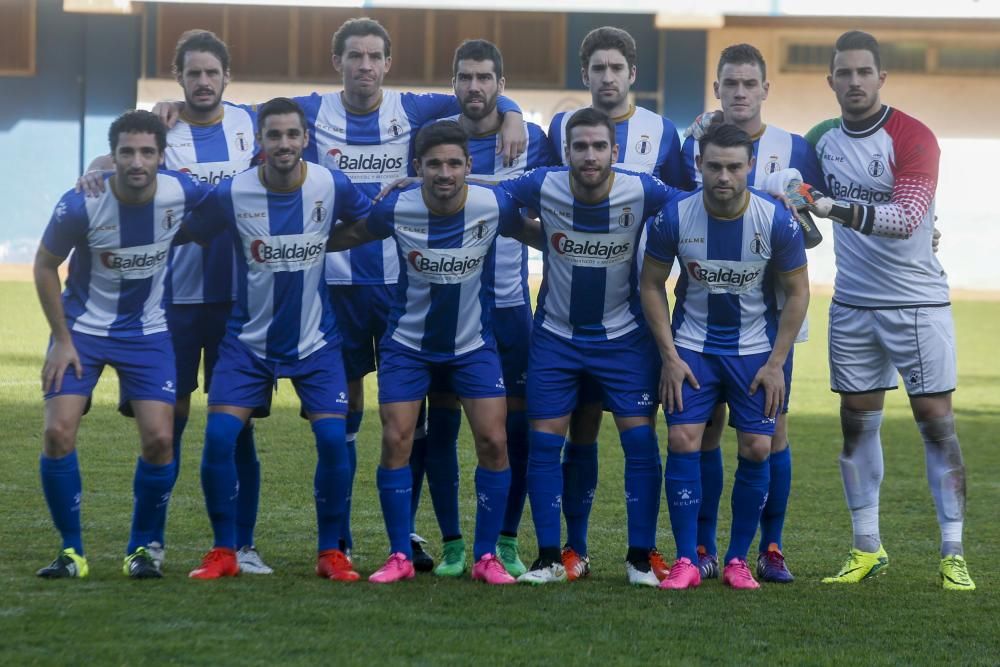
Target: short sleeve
point(788, 250)
point(661, 236)
point(68, 225)
point(351, 203)
point(804, 159)
point(212, 215)
point(510, 214)
point(525, 189)
point(381, 219)
point(657, 194)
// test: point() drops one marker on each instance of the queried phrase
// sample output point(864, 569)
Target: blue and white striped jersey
point(774, 149)
point(647, 143)
point(589, 275)
point(725, 298)
point(120, 252)
point(511, 261)
point(373, 149)
point(445, 296)
point(212, 152)
point(282, 311)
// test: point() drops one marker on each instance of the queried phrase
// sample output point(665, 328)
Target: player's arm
point(91, 183)
point(771, 376)
point(674, 371)
point(513, 136)
point(360, 222)
point(914, 185)
point(515, 223)
point(347, 235)
point(62, 353)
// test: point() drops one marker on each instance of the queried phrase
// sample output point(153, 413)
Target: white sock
point(862, 469)
point(946, 478)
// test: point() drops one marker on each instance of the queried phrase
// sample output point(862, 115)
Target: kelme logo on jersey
point(136, 262)
point(725, 277)
point(368, 163)
point(583, 249)
point(854, 192)
point(447, 266)
point(291, 252)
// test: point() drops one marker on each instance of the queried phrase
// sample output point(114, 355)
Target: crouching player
point(111, 313)
point(281, 326)
point(725, 340)
point(439, 322)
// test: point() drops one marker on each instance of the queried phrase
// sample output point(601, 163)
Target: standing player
point(440, 323)
point(742, 87)
point(588, 325)
point(647, 143)
point(111, 314)
point(478, 82)
point(282, 325)
point(726, 340)
point(890, 311)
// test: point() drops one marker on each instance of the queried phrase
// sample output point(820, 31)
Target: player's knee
point(682, 441)
point(158, 445)
point(491, 448)
point(59, 439)
point(855, 424)
point(755, 448)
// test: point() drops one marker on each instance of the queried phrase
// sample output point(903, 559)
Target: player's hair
point(724, 135)
point(138, 122)
point(200, 40)
point(478, 50)
point(856, 40)
point(438, 134)
point(590, 117)
point(604, 38)
point(360, 27)
point(742, 54)
point(277, 107)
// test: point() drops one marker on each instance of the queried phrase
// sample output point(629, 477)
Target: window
point(903, 56)
point(969, 59)
point(17, 48)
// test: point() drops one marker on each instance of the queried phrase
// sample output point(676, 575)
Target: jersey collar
point(743, 209)
point(291, 188)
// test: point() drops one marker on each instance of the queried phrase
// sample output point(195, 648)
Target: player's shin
point(749, 496)
point(492, 487)
point(248, 476)
point(579, 468)
point(353, 425)
point(772, 518)
point(218, 476)
point(862, 469)
point(333, 473)
point(946, 478)
point(151, 487)
point(712, 478)
point(545, 485)
point(517, 453)
point(441, 464)
point(682, 483)
point(642, 485)
point(395, 493)
point(63, 487)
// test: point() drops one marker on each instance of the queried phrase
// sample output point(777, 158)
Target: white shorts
point(868, 347)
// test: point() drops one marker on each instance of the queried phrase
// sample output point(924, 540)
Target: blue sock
point(248, 475)
point(545, 485)
point(394, 493)
point(682, 481)
point(218, 476)
point(642, 485)
point(579, 469)
point(418, 461)
point(772, 518)
point(180, 423)
point(491, 501)
point(151, 489)
point(517, 453)
point(712, 473)
point(63, 487)
point(749, 496)
point(352, 426)
point(333, 473)
point(442, 468)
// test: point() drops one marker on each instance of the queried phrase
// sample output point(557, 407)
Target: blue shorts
point(627, 370)
point(362, 315)
point(245, 380)
point(145, 366)
point(729, 378)
point(787, 369)
point(512, 328)
point(405, 375)
point(196, 330)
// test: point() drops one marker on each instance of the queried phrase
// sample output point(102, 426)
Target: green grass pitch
point(293, 617)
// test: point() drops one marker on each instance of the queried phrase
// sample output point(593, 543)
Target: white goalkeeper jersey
point(889, 166)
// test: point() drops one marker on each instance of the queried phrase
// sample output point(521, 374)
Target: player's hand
point(57, 360)
point(91, 184)
point(770, 378)
point(673, 375)
point(701, 124)
point(168, 111)
point(397, 184)
point(512, 139)
point(935, 238)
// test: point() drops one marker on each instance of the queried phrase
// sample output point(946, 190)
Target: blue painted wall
point(52, 123)
point(684, 74)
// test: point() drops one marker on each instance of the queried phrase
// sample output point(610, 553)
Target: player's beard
point(203, 107)
point(489, 105)
point(283, 168)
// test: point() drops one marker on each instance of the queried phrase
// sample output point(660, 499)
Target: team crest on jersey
point(319, 213)
point(773, 165)
point(757, 244)
point(644, 145)
point(626, 219)
point(241, 141)
point(168, 219)
point(876, 167)
point(394, 128)
point(480, 231)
